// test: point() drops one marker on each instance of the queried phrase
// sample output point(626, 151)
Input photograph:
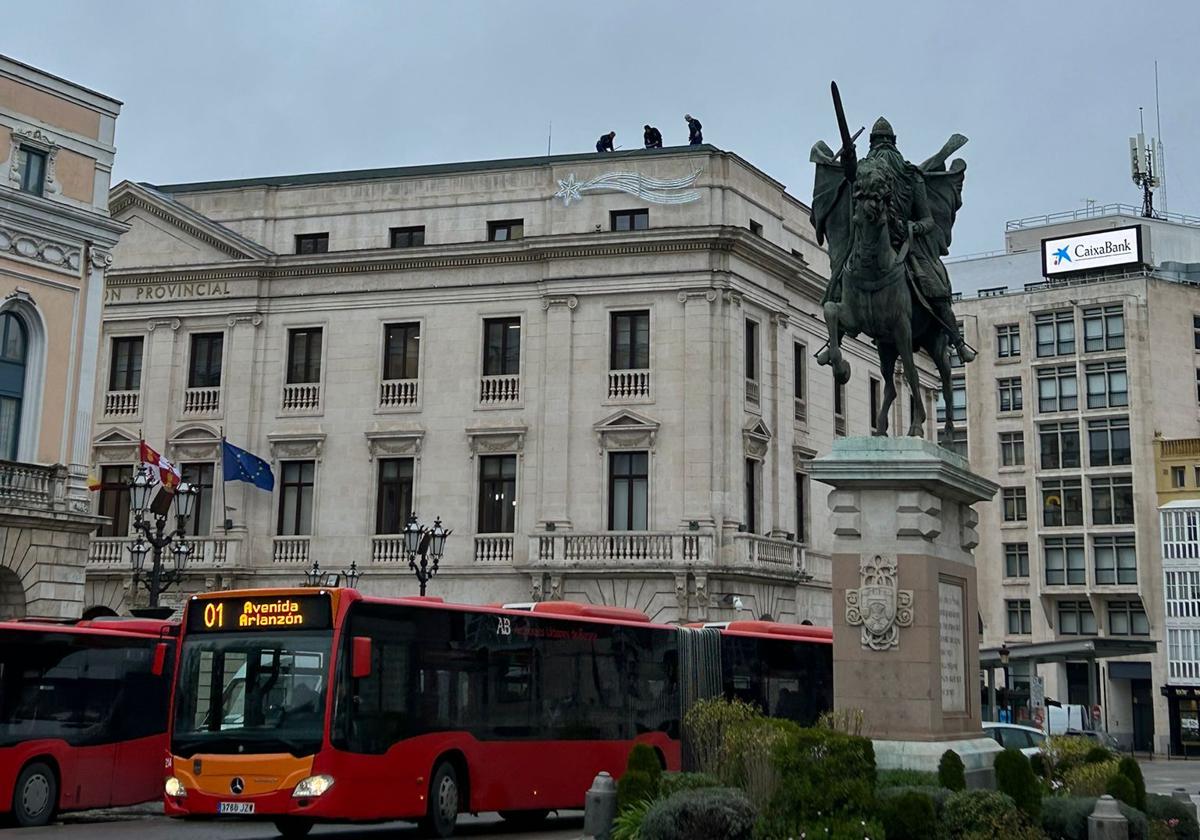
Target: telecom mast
point(1145, 163)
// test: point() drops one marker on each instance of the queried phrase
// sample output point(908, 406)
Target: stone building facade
point(597, 370)
point(56, 237)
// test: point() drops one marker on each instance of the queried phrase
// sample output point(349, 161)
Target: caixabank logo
point(1091, 250)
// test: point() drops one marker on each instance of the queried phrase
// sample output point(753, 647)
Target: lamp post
point(427, 543)
point(153, 538)
point(315, 576)
point(1004, 654)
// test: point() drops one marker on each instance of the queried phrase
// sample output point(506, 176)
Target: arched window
point(14, 349)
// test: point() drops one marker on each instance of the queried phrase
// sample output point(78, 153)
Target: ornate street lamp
point(316, 576)
point(152, 538)
point(427, 543)
point(352, 575)
point(1004, 655)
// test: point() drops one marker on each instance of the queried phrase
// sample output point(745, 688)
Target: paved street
point(1164, 776)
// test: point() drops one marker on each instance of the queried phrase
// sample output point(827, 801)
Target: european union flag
point(240, 465)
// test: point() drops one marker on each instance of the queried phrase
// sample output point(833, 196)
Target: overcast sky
point(1047, 92)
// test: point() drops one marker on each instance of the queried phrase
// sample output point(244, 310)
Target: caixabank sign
point(1091, 251)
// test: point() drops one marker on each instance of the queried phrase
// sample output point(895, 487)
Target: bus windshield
point(253, 693)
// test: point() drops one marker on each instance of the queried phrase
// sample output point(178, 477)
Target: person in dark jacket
point(605, 143)
point(695, 135)
point(653, 137)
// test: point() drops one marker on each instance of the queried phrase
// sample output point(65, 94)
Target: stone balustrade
point(206, 553)
point(122, 403)
point(494, 548)
point(388, 548)
point(628, 385)
point(398, 393)
point(32, 486)
point(500, 390)
point(290, 550)
point(202, 401)
point(302, 398)
point(626, 548)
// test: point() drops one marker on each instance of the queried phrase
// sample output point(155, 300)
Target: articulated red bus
point(83, 714)
point(303, 706)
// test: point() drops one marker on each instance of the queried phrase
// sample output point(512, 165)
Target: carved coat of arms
point(877, 605)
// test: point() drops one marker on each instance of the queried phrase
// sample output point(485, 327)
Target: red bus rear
point(83, 714)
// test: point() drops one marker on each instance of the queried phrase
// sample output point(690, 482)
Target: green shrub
point(846, 721)
point(1097, 755)
point(1120, 788)
point(1015, 777)
point(1041, 767)
point(704, 727)
point(1160, 830)
point(1089, 779)
point(749, 757)
point(1068, 751)
point(635, 786)
point(983, 815)
point(1129, 768)
point(909, 816)
point(1166, 808)
point(715, 813)
point(628, 824)
point(674, 782)
point(937, 794)
point(1065, 818)
point(838, 828)
point(644, 757)
point(905, 778)
point(951, 773)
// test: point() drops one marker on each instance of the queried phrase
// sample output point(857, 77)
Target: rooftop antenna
point(549, 135)
point(1144, 165)
point(1162, 158)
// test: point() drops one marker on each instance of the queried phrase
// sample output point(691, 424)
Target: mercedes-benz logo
point(237, 785)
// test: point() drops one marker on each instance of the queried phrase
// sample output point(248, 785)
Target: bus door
point(140, 726)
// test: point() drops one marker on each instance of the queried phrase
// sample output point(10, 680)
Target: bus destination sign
point(260, 612)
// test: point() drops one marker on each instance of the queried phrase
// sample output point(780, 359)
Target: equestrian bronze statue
point(888, 225)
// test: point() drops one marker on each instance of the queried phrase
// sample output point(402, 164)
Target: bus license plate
point(235, 808)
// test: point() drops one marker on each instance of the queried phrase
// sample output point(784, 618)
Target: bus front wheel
point(293, 828)
point(442, 812)
point(35, 795)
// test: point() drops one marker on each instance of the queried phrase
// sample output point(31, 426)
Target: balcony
point(388, 548)
point(499, 391)
point(122, 403)
point(655, 549)
point(110, 553)
point(290, 550)
point(32, 486)
point(398, 393)
point(199, 402)
point(779, 557)
point(628, 385)
point(301, 398)
point(494, 548)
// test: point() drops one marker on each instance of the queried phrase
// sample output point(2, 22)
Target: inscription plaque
point(950, 630)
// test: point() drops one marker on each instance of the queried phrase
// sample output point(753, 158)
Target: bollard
point(600, 807)
point(1107, 822)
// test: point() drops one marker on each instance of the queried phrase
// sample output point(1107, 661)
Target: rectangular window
point(1016, 560)
point(876, 402)
point(1055, 333)
point(1008, 341)
point(751, 495)
point(408, 237)
point(1020, 617)
point(312, 243)
point(958, 393)
point(1012, 449)
point(401, 353)
point(1062, 502)
point(1065, 561)
point(801, 507)
point(839, 408)
point(394, 495)
point(630, 341)
point(629, 220)
point(1107, 384)
point(1115, 559)
point(1104, 328)
point(1075, 618)
point(1059, 445)
point(304, 355)
point(1183, 594)
point(296, 498)
point(1127, 618)
point(628, 491)
point(1108, 442)
point(756, 228)
point(1198, 385)
point(506, 230)
point(114, 500)
point(751, 350)
point(1178, 477)
point(1014, 504)
point(1011, 398)
point(200, 476)
point(501, 346)
point(204, 366)
point(956, 441)
point(800, 381)
point(125, 368)
point(1058, 388)
point(33, 170)
point(497, 494)
point(1196, 331)
point(1112, 500)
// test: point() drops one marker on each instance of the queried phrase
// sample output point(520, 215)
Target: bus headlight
point(312, 787)
point(174, 788)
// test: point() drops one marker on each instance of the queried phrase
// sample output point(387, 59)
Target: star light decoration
point(653, 190)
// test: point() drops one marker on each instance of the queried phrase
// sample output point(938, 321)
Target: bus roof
point(124, 628)
point(773, 629)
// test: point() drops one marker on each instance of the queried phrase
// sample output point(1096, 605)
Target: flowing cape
point(831, 208)
point(943, 187)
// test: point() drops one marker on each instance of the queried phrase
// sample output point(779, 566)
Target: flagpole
point(224, 510)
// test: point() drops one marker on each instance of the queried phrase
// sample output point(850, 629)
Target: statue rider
point(910, 201)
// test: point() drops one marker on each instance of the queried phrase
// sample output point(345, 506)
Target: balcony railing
point(500, 390)
point(800, 411)
point(752, 393)
point(493, 548)
point(202, 400)
point(32, 485)
point(398, 393)
point(108, 552)
point(751, 551)
point(207, 552)
point(650, 548)
point(121, 403)
point(388, 548)
point(290, 550)
point(302, 398)
point(628, 384)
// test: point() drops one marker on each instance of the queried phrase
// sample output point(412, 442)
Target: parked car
point(1098, 735)
point(1024, 738)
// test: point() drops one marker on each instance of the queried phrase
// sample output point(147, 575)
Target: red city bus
point(303, 706)
point(83, 714)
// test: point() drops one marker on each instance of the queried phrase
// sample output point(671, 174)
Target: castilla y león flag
point(168, 473)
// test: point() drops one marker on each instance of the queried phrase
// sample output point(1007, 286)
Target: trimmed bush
point(1041, 767)
point(644, 757)
point(714, 813)
point(823, 776)
point(1097, 755)
point(840, 828)
point(1166, 809)
point(704, 727)
point(983, 815)
point(1120, 788)
point(909, 816)
point(1015, 777)
point(1065, 818)
point(1089, 779)
point(1068, 751)
point(1129, 768)
point(633, 787)
point(952, 775)
point(937, 794)
point(674, 782)
point(905, 778)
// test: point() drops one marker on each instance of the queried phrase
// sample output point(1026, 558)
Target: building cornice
point(128, 195)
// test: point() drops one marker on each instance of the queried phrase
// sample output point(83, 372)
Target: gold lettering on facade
point(172, 291)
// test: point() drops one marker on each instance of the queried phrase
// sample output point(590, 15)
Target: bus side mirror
point(160, 659)
point(360, 659)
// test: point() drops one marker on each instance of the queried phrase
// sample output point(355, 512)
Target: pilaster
point(556, 411)
point(699, 465)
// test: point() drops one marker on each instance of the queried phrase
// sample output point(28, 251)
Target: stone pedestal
point(905, 602)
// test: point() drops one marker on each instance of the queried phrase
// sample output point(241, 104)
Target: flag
point(239, 465)
point(168, 473)
point(93, 480)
